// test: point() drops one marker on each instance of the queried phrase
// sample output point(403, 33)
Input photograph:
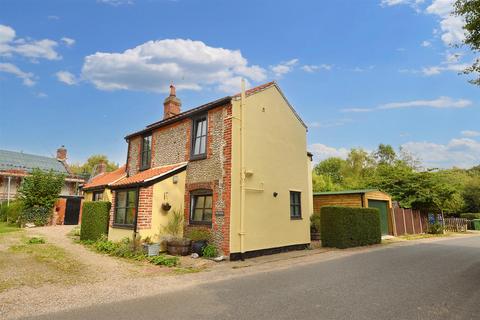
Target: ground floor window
point(97, 196)
point(295, 205)
point(125, 207)
point(201, 207)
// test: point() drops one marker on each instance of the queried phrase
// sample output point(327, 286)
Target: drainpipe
point(242, 173)
point(8, 190)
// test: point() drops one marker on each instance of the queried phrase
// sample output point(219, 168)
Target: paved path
point(429, 280)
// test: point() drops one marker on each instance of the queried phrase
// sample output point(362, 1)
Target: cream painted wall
point(107, 195)
point(175, 195)
point(117, 234)
point(276, 153)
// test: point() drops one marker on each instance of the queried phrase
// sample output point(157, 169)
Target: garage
point(367, 198)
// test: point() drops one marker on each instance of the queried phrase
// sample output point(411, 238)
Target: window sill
point(198, 223)
point(296, 218)
point(198, 157)
point(122, 226)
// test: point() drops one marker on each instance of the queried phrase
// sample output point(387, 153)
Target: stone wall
point(169, 144)
point(134, 148)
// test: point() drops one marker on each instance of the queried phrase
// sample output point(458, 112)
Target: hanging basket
point(166, 206)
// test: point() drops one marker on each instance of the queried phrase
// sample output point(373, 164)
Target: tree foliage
point(41, 189)
point(470, 11)
point(88, 167)
point(450, 190)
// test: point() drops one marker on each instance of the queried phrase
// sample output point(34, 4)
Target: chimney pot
point(171, 105)
point(62, 153)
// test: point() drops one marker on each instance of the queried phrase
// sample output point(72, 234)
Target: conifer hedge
point(95, 218)
point(345, 227)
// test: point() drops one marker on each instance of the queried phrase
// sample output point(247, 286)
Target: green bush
point(95, 218)
point(435, 228)
point(163, 260)
point(315, 222)
point(345, 227)
point(12, 211)
point(37, 215)
point(36, 240)
point(196, 234)
point(470, 216)
point(210, 251)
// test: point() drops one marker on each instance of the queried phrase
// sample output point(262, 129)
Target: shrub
point(435, 228)
point(36, 240)
point(175, 224)
point(210, 251)
point(11, 212)
point(41, 188)
point(345, 227)
point(163, 260)
point(95, 217)
point(37, 215)
point(315, 222)
point(196, 234)
point(470, 216)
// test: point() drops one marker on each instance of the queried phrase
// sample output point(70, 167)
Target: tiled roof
point(361, 191)
point(149, 175)
point(199, 109)
point(19, 161)
point(104, 179)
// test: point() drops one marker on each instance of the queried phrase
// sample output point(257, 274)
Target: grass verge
point(6, 228)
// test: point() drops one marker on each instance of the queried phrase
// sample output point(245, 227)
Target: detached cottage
point(237, 165)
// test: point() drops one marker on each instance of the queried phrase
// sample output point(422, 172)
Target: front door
point(72, 211)
point(382, 206)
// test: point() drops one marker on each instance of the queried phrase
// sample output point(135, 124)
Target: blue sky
point(86, 73)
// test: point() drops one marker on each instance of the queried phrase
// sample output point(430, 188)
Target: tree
point(470, 11)
point(471, 195)
point(88, 167)
point(385, 154)
point(41, 189)
point(331, 168)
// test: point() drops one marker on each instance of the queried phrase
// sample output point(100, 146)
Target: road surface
point(429, 280)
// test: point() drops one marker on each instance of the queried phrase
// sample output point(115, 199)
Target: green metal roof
point(11, 160)
point(345, 192)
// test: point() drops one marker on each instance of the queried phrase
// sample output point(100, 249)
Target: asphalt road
point(435, 280)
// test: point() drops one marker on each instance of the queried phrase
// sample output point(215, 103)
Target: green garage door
point(382, 206)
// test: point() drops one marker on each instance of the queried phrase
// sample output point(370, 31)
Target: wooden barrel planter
point(179, 247)
point(314, 235)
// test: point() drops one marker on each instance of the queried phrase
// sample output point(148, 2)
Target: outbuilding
point(367, 198)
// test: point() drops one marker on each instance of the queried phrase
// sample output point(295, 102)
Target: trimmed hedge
point(345, 227)
point(470, 216)
point(95, 218)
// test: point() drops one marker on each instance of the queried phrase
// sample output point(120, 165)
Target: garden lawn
point(4, 228)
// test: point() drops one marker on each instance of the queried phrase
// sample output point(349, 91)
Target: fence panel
point(456, 224)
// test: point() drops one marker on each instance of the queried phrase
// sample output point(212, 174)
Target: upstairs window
point(146, 153)
point(199, 138)
point(295, 205)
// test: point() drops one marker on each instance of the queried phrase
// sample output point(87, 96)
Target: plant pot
point(166, 206)
point(179, 247)
point(314, 235)
point(151, 249)
point(197, 246)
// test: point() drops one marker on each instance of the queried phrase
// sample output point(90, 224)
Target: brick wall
point(144, 215)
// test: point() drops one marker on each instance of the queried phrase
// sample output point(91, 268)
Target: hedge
point(345, 227)
point(470, 216)
point(95, 218)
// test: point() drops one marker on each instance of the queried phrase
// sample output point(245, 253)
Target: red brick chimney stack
point(62, 154)
point(171, 105)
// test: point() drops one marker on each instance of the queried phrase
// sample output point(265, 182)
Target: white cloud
point(66, 77)
point(450, 25)
point(462, 152)
point(34, 49)
point(321, 151)
point(42, 95)
point(470, 133)
point(68, 41)
point(313, 68)
point(284, 67)
point(116, 3)
point(153, 65)
point(27, 77)
point(363, 69)
point(426, 43)
point(330, 124)
point(439, 103)
point(53, 17)
point(434, 70)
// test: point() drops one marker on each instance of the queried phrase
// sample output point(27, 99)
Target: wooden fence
point(456, 224)
point(408, 221)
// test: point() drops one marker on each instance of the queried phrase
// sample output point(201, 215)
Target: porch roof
point(149, 175)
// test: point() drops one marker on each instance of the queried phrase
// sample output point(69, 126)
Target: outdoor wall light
point(175, 179)
point(275, 194)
